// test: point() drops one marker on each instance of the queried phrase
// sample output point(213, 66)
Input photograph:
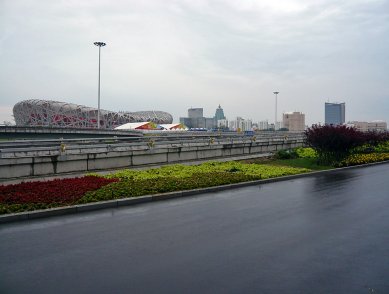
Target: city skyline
point(172, 55)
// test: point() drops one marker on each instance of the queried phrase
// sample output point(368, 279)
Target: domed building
point(37, 112)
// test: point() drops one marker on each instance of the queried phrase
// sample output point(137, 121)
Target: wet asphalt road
point(327, 233)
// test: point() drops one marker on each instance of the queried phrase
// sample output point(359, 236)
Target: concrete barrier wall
point(44, 161)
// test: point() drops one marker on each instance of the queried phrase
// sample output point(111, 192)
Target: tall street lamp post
point(275, 118)
point(99, 44)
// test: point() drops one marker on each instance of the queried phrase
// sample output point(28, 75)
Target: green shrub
point(306, 152)
point(383, 147)
point(287, 154)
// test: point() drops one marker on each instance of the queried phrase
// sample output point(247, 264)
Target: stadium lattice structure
point(35, 112)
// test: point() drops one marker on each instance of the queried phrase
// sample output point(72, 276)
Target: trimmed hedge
point(134, 188)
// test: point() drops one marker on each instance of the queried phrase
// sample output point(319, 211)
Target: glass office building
point(335, 113)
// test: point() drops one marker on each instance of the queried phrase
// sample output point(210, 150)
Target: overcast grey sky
point(170, 55)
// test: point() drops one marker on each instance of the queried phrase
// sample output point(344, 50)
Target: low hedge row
point(181, 177)
point(184, 171)
point(133, 188)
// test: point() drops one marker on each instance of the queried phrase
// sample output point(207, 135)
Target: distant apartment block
point(335, 113)
point(240, 124)
point(359, 125)
point(222, 123)
point(373, 126)
point(294, 121)
point(377, 125)
point(264, 125)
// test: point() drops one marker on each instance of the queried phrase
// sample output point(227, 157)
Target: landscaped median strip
point(126, 201)
point(155, 197)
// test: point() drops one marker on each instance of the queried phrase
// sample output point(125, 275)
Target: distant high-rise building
point(219, 114)
point(263, 125)
point(335, 113)
point(196, 120)
point(195, 112)
point(294, 121)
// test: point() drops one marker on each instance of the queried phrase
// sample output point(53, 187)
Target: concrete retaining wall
point(44, 161)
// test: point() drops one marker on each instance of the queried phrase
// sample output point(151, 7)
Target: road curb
point(23, 216)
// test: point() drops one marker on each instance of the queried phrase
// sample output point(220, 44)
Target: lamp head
point(100, 44)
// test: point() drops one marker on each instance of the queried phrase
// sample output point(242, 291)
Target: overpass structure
point(28, 132)
point(36, 158)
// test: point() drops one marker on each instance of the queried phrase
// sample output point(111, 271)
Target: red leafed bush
point(333, 143)
point(61, 191)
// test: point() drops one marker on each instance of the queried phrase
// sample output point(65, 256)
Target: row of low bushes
point(132, 183)
point(133, 188)
point(340, 146)
point(296, 153)
point(363, 156)
point(184, 171)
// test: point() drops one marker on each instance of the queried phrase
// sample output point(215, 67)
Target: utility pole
point(99, 44)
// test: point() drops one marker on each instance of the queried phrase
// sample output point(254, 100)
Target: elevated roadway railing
point(34, 132)
point(50, 157)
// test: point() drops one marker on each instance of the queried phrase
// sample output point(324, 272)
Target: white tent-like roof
point(131, 126)
point(176, 126)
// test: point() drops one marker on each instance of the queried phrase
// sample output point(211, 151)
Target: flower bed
point(40, 195)
point(260, 171)
point(138, 187)
point(356, 159)
point(179, 177)
point(133, 183)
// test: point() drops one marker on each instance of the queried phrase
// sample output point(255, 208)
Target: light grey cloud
point(174, 54)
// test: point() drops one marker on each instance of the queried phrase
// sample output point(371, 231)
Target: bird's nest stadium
point(50, 113)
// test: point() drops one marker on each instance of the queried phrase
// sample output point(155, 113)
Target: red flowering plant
point(58, 192)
